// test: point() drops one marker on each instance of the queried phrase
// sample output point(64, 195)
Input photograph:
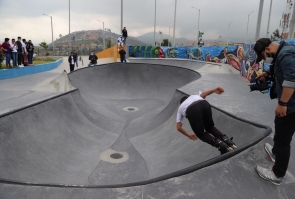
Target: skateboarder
point(198, 111)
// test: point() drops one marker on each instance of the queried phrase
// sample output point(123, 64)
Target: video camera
point(257, 85)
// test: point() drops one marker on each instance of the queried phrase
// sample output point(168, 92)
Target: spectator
point(120, 41)
point(30, 50)
point(201, 43)
point(93, 59)
point(14, 53)
point(71, 62)
point(282, 73)
point(122, 54)
point(125, 34)
point(75, 55)
point(7, 51)
point(20, 55)
point(25, 58)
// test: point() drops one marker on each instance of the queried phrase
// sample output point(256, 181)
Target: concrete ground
point(63, 148)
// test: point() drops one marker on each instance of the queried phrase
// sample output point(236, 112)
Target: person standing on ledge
point(282, 72)
point(125, 34)
point(198, 111)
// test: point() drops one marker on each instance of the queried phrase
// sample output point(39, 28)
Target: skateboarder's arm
point(217, 90)
point(181, 130)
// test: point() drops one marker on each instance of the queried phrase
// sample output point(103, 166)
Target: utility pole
point(259, 20)
point(174, 23)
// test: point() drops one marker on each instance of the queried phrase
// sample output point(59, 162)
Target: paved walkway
point(23, 91)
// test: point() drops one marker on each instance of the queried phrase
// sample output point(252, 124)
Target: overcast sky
point(24, 17)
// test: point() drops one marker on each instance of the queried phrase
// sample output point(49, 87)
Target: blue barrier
point(28, 70)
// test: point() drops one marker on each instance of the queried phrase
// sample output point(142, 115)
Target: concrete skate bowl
point(116, 129)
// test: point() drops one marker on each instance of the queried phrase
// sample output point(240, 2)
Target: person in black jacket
point(125, 34)
point(93, 59)
point(122, 54)
point(71, 62)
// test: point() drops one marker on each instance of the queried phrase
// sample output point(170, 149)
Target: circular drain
point(116, 156)
point(130, 109)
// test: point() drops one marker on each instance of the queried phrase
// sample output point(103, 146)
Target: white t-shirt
point(14, 47)
point(182, 108)
point(24, 47)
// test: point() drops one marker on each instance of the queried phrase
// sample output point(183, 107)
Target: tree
point(44, 45)
point(109, 44)
point(276, 35)
point(165, 42)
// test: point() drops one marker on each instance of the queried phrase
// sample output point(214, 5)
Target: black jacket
point(125, 34)
point(93, 59)
point(70, 59)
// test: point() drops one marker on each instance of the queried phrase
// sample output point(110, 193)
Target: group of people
point(20, 52)
point(282, 72)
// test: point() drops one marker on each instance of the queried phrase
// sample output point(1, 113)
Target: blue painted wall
point(28, 70)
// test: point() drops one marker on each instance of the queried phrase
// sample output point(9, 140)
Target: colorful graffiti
point(241, 57)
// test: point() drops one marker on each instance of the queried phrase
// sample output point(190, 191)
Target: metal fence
point(65, 51)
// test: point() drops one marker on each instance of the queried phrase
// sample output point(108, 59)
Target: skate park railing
point(28, 70)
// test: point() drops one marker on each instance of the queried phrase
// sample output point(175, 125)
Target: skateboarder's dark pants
point(199, 115)
point(284, 130)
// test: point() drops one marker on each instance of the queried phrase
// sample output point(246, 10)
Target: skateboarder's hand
point(219, 90)
point(193, 136)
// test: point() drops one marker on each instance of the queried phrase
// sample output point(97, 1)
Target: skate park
point(63, 144)
point(108, 131)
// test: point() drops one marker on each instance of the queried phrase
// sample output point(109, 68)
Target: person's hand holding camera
point(261, 77)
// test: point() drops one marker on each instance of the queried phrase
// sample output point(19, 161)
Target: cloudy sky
point(24, 18)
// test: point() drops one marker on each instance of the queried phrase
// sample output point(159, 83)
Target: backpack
point(19, 46)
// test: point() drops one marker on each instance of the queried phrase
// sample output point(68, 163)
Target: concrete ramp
point(116, 129)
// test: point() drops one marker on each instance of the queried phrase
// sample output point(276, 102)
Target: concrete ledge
point(28, 70)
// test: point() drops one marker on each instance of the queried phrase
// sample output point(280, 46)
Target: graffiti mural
point(241, 57)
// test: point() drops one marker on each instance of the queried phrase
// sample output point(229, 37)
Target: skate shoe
point(268, 149)
point(228, 141)
point(268, 175)
point(222, 146)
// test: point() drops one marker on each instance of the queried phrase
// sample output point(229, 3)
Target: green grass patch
point(43, 60)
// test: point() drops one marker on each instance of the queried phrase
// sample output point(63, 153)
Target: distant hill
point(149, 38)
point(93, 38)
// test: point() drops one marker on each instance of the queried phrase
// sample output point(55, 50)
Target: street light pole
point(69, 25)
point(121, 15)
point(169, 36)
point(228, 32)
point(198, 23)
point(174, 23)
point(155, 23)
point(247, 28)
point(267, 31)
point(103, 34)
point(51, 33)
point(259, 20)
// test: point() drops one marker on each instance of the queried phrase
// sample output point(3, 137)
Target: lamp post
point(247, 28)
point(103, 34)
point(169, 36)
point(198, 22)
point(228, 32)
point(69, 26)
point(174, 23)
point(267, 31)
point(121, 15)
point(155, 23)
point(51, 33)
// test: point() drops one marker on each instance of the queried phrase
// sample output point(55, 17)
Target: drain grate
point(116, 156)
point(130, 109)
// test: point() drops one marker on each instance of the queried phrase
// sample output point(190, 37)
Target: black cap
point(260, 46)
